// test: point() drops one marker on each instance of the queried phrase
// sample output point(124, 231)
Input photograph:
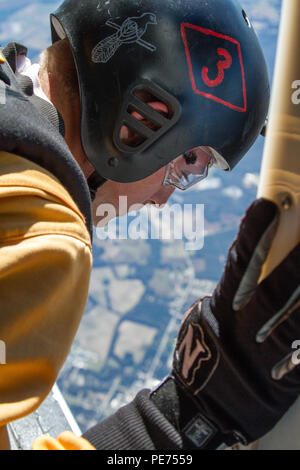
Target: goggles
point(191, 167)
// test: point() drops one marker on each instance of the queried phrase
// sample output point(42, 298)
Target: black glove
point(233, 372)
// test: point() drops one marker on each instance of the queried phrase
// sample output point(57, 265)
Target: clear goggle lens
point(189, 168)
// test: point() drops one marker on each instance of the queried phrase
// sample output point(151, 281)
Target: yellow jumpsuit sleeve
point(45, 264)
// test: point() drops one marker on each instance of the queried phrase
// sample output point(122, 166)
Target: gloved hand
point(233, 372)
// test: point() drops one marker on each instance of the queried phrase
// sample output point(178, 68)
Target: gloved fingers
point(251, 276)
point(291, 306)
point(284, 367)
point(248, 252)
point(278, 296)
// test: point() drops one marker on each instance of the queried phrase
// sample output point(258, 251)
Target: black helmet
point(201, 58)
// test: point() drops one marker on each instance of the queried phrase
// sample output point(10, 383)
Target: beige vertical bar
point(280, 180)
point(280, 173)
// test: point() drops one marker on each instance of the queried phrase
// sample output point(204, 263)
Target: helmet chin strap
point(94, 182)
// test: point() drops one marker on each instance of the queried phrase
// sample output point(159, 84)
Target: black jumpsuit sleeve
point(136, 426)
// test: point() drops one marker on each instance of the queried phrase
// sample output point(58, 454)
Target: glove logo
point(196, 356)
point(220, 75)
point(192, 358)
point(129, 32)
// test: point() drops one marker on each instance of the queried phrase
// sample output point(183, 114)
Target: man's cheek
point(162, 195)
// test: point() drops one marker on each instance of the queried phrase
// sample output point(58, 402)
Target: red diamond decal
point(212, 62)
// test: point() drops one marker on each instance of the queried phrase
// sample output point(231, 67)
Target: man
point(163, 95)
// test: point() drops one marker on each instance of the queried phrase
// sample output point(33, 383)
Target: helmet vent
point(132, 133)
point(147, 113)
point(145, 116)
point(131, 137)
point(153, 101)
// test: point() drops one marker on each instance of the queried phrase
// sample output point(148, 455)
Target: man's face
point(150, 190)
point(156, 188)
point(146, 191)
